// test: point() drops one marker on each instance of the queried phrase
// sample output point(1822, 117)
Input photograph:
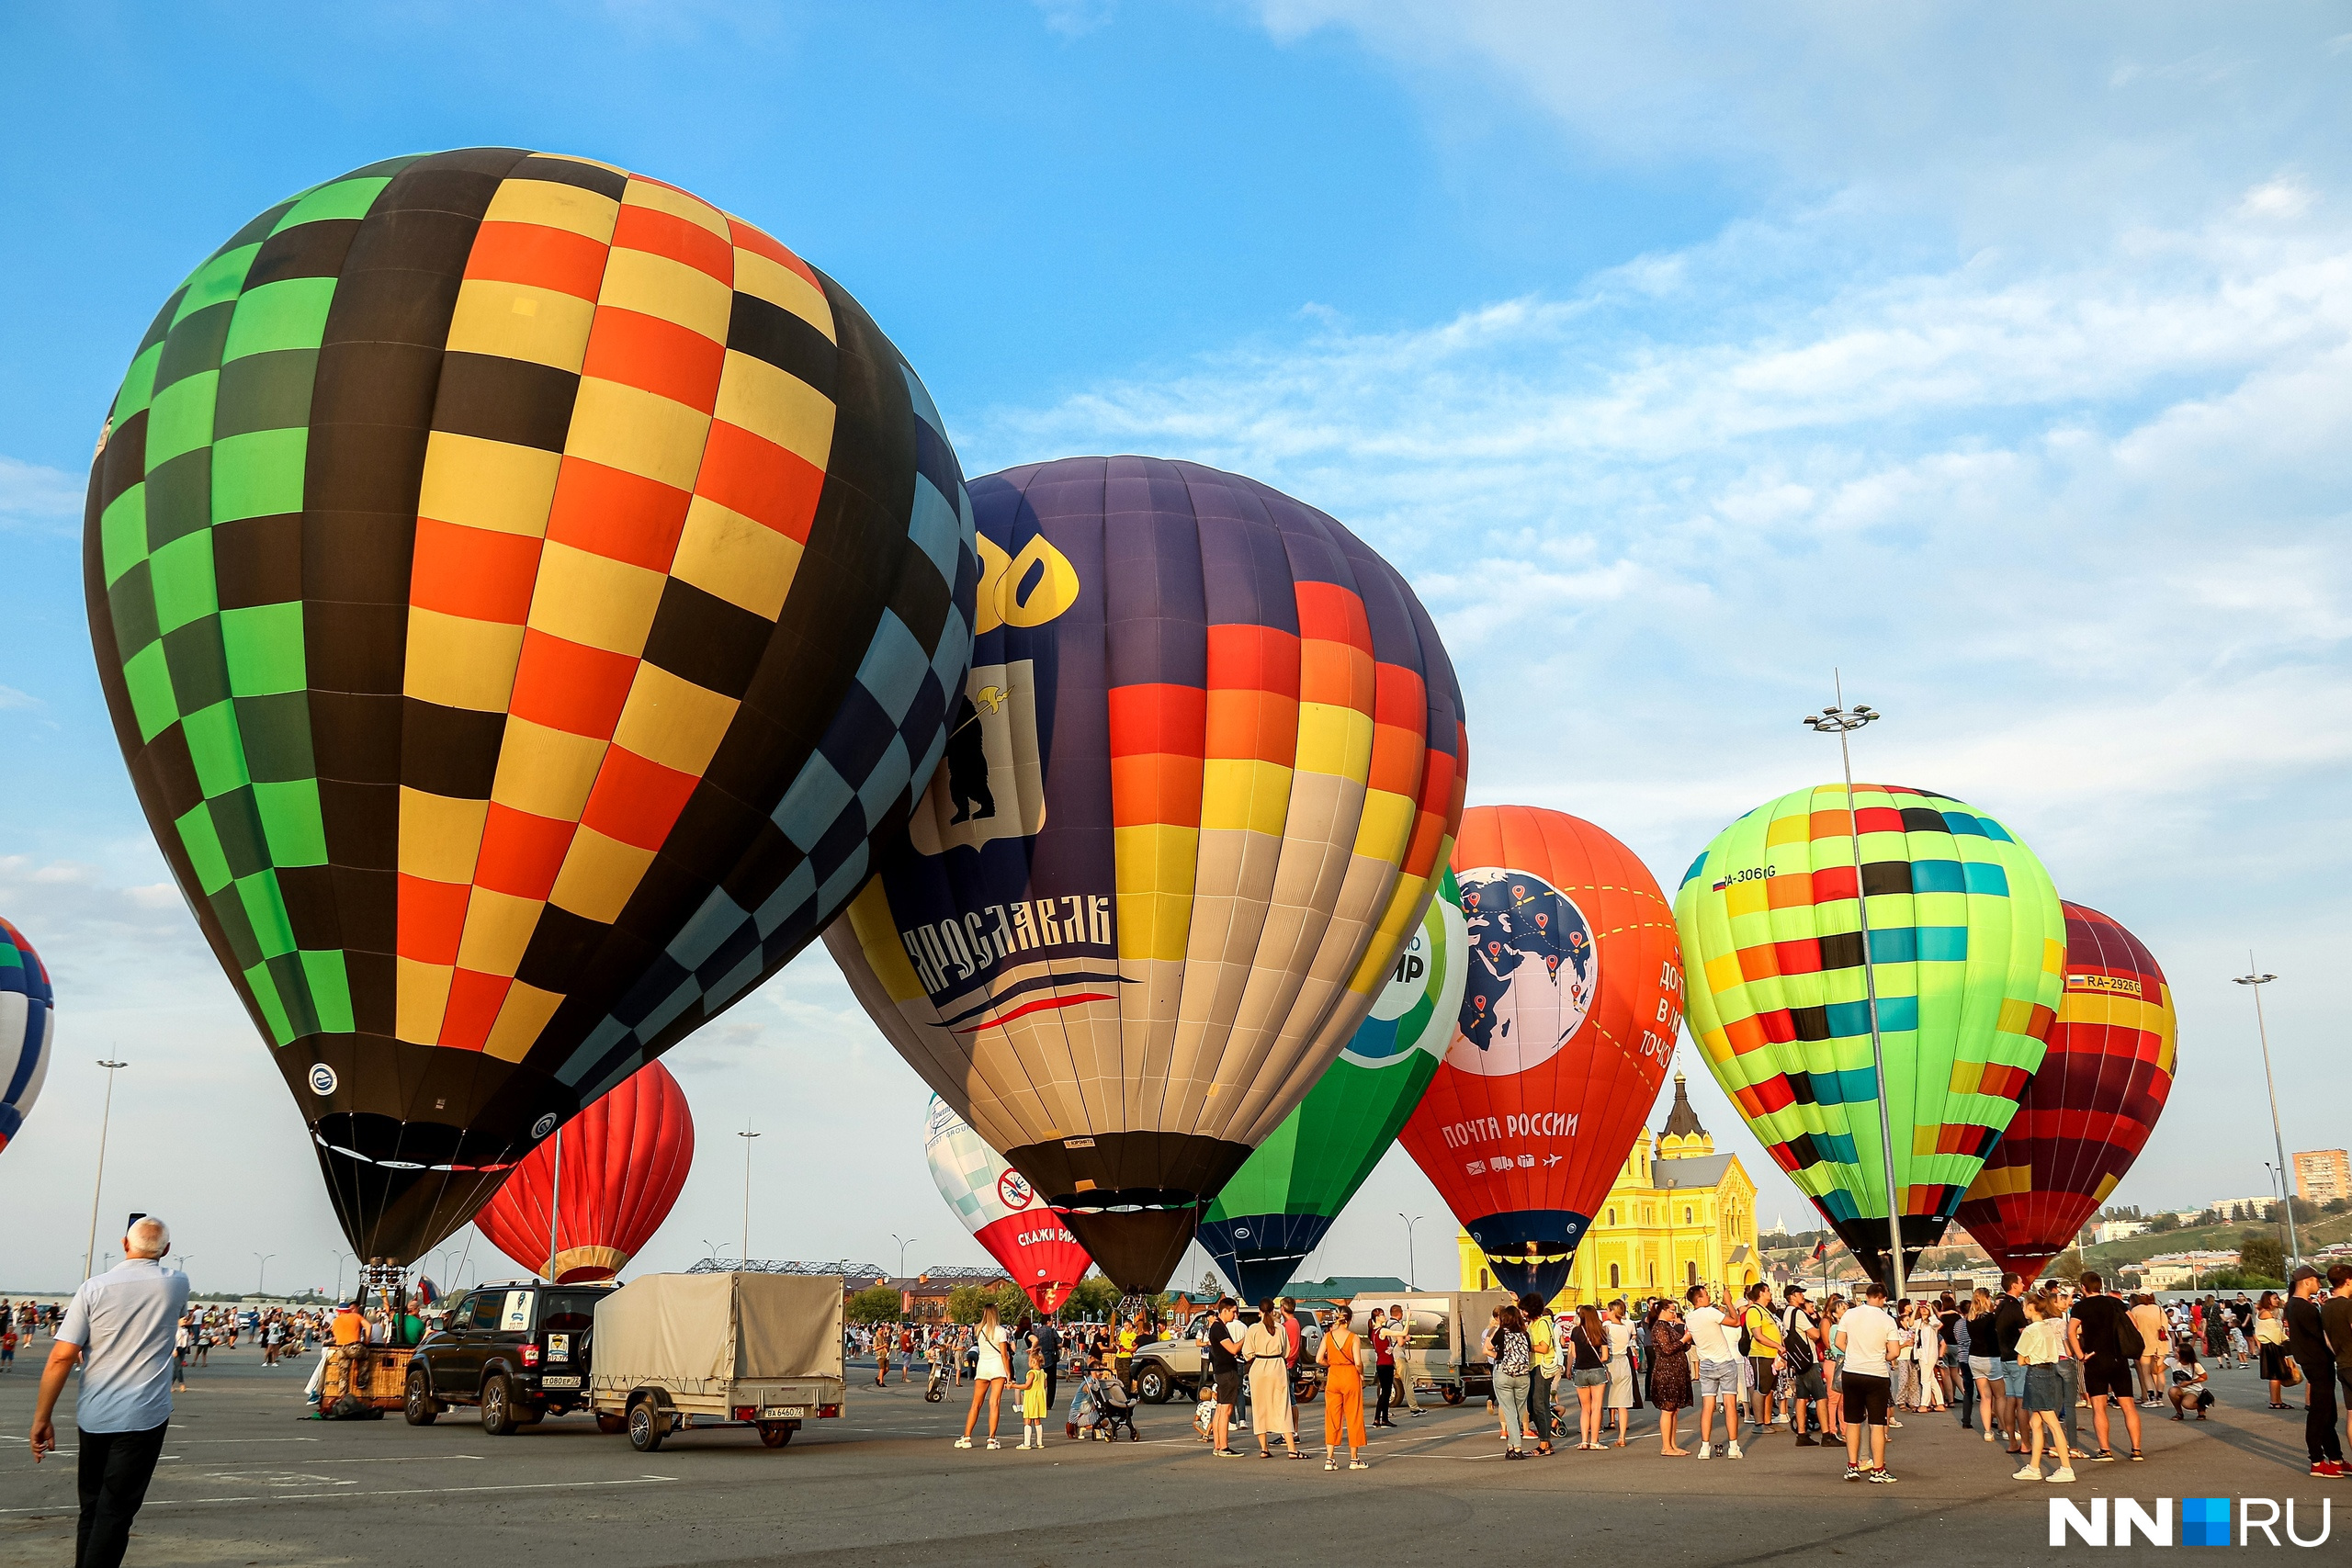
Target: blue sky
point(1998, 357)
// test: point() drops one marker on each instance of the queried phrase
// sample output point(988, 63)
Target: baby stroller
point(1114, 1411)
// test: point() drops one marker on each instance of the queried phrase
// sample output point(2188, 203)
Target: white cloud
point(12, 698)
point(2076, 519)
point(34, 497)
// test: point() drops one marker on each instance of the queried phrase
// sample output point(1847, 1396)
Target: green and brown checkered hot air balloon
point(1968, 945)
point(523, 590)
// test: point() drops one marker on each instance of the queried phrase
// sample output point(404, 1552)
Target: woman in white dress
point(995, 1345)
point(1265, 1349)
point(1621, 1370)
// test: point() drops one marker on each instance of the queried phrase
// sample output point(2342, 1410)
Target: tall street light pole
point(106, 1118)
point(338, 1274)
point(1412, 1263)
point(2256, 979)
point(555, 1207)
point(747, 1135)
point(261, 1281)
point(1842, 722)
point(902, 1252)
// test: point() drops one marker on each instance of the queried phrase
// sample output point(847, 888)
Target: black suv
point(519, 1350)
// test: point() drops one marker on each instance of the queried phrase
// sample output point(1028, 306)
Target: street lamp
point(902, 1252)
point(1842, 722)
point(261, 1280)
point(105, 1117)
point(2257, 980)
point(747, 1135)
point(1412, 1263)
point(338, 1274)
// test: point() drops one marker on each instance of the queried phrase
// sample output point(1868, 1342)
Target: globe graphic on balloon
point(1533, 973)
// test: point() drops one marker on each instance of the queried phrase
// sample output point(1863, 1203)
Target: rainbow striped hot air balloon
point(523, 591)
point(2088, 1112)
point(1967, 942)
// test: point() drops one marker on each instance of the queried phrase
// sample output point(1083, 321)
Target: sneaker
point(1853, 1472)
point(2065, 1472)
point(1807, 1440)
point(1331, 1465)
point(1782, 1419)
point(1989, 1434)
point(2103, 1457)
point(1881, 1478)
point(994, 1444)
point(1706, 1450)
point(963, 1442)
point(2026, 1474)
point(2328, 1468)
point(1358, 1464)
point(1731, 1451)
point(1227, 1453)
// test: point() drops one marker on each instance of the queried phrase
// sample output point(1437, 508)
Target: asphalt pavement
point(245, 1481)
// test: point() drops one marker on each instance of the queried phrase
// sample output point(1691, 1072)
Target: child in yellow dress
point(1032, 1406)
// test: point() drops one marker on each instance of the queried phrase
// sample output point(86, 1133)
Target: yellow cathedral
point(1678, 1215)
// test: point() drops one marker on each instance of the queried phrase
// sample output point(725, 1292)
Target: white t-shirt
point(1707, 1336)
point(994, 1361)
point(1867, 1330)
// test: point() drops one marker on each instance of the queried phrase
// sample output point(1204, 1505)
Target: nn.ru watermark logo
point(2202, 1521)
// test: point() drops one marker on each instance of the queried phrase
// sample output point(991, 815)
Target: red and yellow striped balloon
point(1205, 774)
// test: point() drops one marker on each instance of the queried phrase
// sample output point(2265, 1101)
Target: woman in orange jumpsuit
point(1342, 1392)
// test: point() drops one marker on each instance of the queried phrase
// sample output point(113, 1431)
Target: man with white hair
point(120, 1328)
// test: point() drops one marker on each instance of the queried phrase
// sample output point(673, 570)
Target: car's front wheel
point(1151, 1385)
point(421, 1408)
point(498, 1414)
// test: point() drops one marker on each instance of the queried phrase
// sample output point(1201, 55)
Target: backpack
point(1796, 1348)
point(2129, 1340)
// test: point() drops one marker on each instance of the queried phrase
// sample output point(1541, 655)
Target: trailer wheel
point(647, 1427)
point(498, 1417)
point(1453, 1392)
point(421, 1408)
point(775, 1434)
point(610, 1425)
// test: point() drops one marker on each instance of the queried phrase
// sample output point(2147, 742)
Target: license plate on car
point(782, 1412)
point(558, 1382)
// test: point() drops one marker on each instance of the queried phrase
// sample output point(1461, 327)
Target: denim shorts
point(1985, 1367)
point(2013, 1378)
point(1590, 1377)
point(2045, 1391)
point(1718, 1376)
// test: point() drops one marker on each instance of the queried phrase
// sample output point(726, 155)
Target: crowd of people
point(2019, 1365)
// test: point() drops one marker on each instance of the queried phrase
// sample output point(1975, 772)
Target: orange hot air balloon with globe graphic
point(1567, 1021)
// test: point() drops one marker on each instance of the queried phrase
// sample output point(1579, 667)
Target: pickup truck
point(1162, 1368)
point(684, 1353)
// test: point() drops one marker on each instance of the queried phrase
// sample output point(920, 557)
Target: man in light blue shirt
point(120, 1328)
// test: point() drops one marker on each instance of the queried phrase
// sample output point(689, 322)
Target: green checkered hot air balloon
point(1279, 1204)
point(1968, 944)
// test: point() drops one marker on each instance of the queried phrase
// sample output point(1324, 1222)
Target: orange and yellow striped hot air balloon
point(1203, 787)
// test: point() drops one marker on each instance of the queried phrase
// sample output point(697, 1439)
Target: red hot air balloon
point(625, 1160)
point(2085, 1116)
point(1003, 1212)
point(1567, 1021)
